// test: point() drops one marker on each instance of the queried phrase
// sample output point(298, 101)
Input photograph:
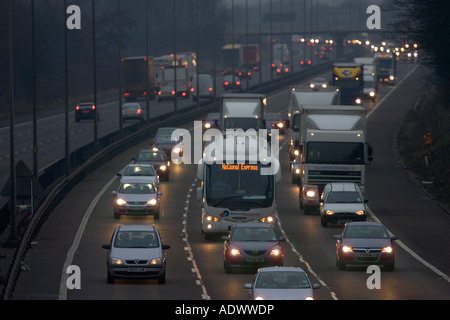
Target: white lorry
point(238, 182)
point(301, 96)
point(242, 111)
point(178, 78)
point(333, 148)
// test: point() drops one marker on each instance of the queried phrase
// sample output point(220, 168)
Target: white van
point(205, 90)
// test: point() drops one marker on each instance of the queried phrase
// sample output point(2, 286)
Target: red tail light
point(183, 94)
point(126, 94)
point(226, 83)
point(173, 92)
point(210, 89)
point(302, 63)
point(93, 107)
point(192, 89)
point(238, 83)
point(77, 108)
point(309, 62)
point(139, 111)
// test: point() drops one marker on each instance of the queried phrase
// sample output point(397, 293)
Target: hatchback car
point(86, 110)
point(232, 82)
point(136, 252)
point(342, 202)
point(136, 197)
point(157, 158)
point(318, 83)
point(166, 93)
point(252, 245)
point(145, 172)
point(132, 111)
point(281, 283)
point(163, 141)
point(363, 244)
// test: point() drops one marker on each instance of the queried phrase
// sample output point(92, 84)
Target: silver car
point(136, 197)
point(342, 202)
point(136, 251)
point(141, 171)
point(132, 111)
point(281, 283)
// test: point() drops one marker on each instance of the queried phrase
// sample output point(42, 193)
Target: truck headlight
point(268, 219)
point(358, 101)
point(310, 193)
point(372, 93)
point(211, 218)
point(391, 78)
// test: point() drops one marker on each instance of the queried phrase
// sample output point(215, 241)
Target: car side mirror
point(114, 193)
point(282, 238)
point(248, 286)
point(316, 286)
point(106, 246)
point(225, 238)
point(337, 237)
point(165, 246)
point(394, 237)
point(160, 193)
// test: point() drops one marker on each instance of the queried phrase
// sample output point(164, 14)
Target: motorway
point(83, 221)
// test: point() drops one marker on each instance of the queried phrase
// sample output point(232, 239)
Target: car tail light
point(192, 89)
point(126, 94)
point(93, 107)
point(173, 92)
point(210, 89)
point(226, 83)
point(145, 93)
point(302, 63)
point(139, 111)
point(159, 93)
point(77, 108)
point(183, 94)
point(238, 83)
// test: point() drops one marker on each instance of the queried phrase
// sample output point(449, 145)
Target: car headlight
point(207, 125)
point(275, 252)
point(152, 202)
point(235, 252)
point(296, 152)
point(387, 249)
point(116, 261)
point(324, 85)
point(157, 261)
point(297, 171)
point(391, 78)
point(347, 249)
point(177, 150)
point(259, 298)
point(268, 219)
point(372, 94)
point(280, 125)
point(121, 202)
point(163, 168)
point(311, 85)
point(309, 298)
point(329, 212)
point(360, 212)
point(358, 101)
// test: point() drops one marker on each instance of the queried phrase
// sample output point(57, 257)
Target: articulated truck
point(333, 148)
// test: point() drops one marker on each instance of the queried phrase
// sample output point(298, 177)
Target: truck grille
point(323, 177)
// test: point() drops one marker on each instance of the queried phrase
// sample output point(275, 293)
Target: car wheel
point(156, 216)
point(116, 215)
point(340, 265)
point(109, 278)
point(162, 278)
point(323, 222)
point(227, 268)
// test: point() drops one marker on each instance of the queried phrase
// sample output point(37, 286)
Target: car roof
point(136, 227)
point(85, 104)
point(344, 186)
point(139, 165)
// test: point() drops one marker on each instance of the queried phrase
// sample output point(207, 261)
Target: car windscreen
point(136, 239)
point(139, 171)
point(343, 197)
point(150, 156)
point(253, 234)
point(282, 280)
point(365, 232)
point(335, 152)
point(137, 188)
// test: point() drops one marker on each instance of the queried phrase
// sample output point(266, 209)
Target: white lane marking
point(77, 240)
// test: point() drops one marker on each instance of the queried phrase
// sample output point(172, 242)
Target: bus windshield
point(238, 186)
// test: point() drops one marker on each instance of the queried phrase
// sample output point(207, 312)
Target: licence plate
point(367, 255)
point(136, 269)
point(86, 111)
point(344, 221)
point(255, 259)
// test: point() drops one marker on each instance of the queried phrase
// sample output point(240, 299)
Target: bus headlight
point(310, 193)
point(211, 218)
point(372, 93)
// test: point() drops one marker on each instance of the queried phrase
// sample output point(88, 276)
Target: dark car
point(252, 245)
point(86, 110)
point(363, 244)
point(212, 121)
point(157, 158)
point(163, 140)
point(274, 120)
point(232, 82)
point(136, 252)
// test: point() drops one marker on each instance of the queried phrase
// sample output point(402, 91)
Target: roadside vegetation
point(426, 23)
